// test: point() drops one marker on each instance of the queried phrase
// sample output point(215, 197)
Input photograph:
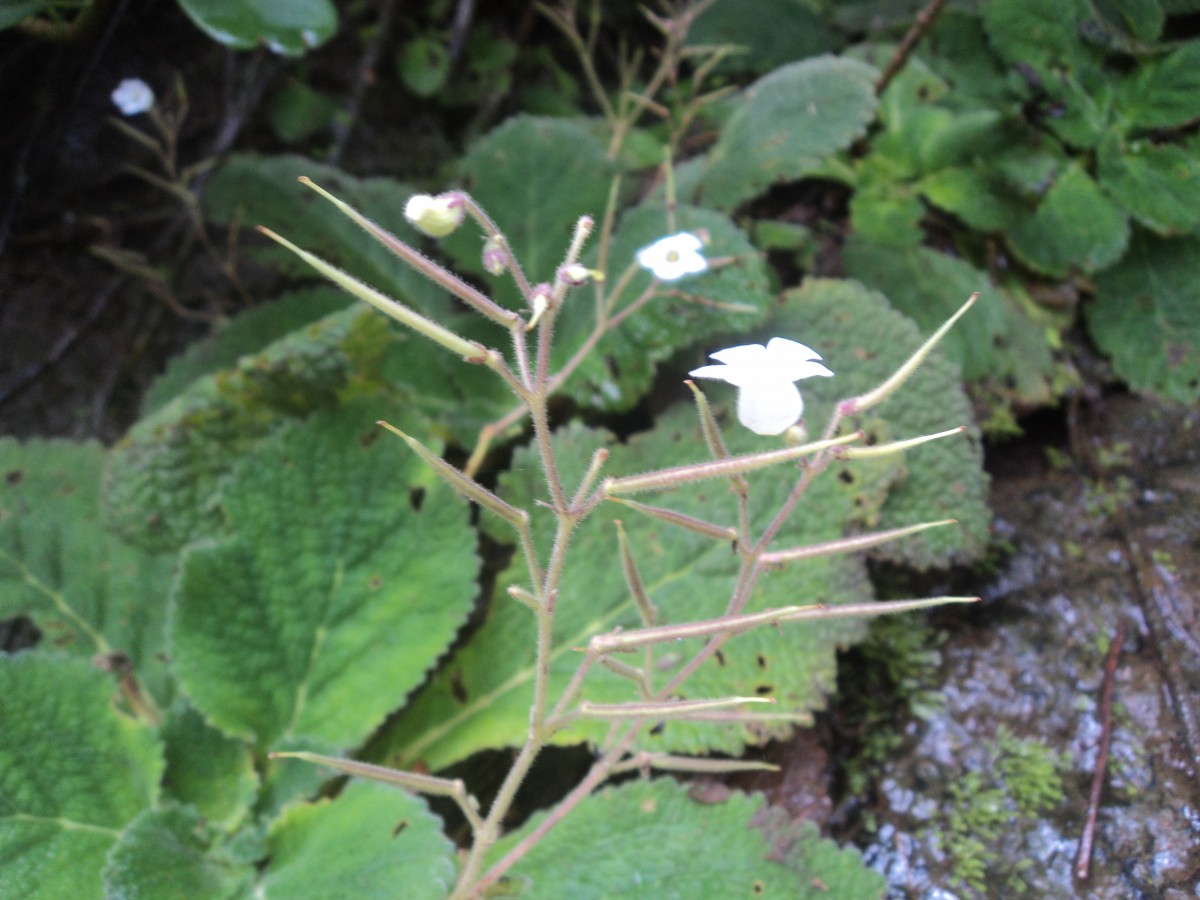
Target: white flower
point(133, 96)
point(671, 258)
point(768, 400)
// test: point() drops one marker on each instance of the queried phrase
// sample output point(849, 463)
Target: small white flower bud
point(495, 260)
point(436, 216)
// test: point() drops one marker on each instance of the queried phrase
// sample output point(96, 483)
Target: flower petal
point(769, 407)
point(793, 361)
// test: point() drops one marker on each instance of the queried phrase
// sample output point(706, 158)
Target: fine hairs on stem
point(627, 653)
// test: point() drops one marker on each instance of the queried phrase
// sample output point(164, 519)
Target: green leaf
point(423, 65)
point(205, 768)
point(1146, 315)
point(786, 124)
point(649, 839)
point(298, 112)
point(371, 842)
point(482, 696)
point(780, 31)
point(73, 773)
point(1159, 184)
point(163, 475)
point(1042, 33)
point(826, 871)
point(972, 193)
point(169, 853)
point(864, 341)
point(253, 190)
point(14, 11)
point(1075, 227)
point(87, 591)
point(289, 29)
point(887, 214)
point(535, 177)
point(728, 299)
point(1163, 93)
point(348, 569)
point(249, 332)
point(997, 343)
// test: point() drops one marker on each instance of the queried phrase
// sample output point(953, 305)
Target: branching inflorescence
point(768, 403)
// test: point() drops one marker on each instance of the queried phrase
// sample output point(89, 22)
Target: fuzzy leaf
point(1074, 227)
point(481, 698)
point(1146, 315)
point(535, 177)
point(1159, 184)
point(648, 839)
point(942, 479)
point(779, 32)
point(290, 30)
point(205, 768)
point(86, 590)
point(997, 343)
point(730, 299)
point(250, 190)
point(73, 773)
point(347, 570)
point(168, 853)
point(163, 475)
point(1164, 92)
point(1044, 33)
point(786, 124)
point(249, 332)
point(372, 841)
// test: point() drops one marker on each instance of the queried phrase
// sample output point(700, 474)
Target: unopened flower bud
point(436, 216)
point(576, 275)
point(495, 260)
point(540, 303)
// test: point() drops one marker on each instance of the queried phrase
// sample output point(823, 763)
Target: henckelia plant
point(769, 404)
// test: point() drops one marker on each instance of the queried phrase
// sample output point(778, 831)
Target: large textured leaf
point(649, 839)
point(729, 299)
point(943, 479)
point(1075, 227)
point(372, 841)
point(249, 332)
point(163, 475)
point(88, 591)
point(73, 773)
point(254, 190)
point(535, 177)
point(169, 852)
point(996, 344)
point(348, 569)
point(1146, 316)
point(291, 28)
point(786, 124)
point(481, 698)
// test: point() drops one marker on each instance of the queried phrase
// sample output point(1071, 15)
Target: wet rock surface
point(990, 795)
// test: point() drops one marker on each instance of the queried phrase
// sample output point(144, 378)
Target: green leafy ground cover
point(259, 568)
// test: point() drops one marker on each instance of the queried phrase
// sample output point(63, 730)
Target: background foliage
point(254, 567)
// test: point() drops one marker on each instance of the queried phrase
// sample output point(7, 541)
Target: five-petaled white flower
point(768, 400)
point(133, 96)
point(671, 258)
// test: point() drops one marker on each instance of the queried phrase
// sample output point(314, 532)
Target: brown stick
point(1084, 858)
point(920, 26)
